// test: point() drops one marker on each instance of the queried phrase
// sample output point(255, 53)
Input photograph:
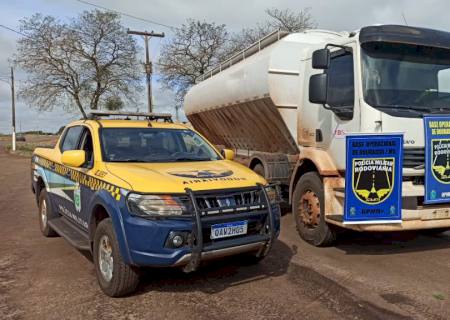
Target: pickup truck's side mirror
point(228, 154)
point(321, 59)
point(318, 88)
point(73, 158)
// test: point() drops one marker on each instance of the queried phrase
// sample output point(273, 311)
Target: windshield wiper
point(127, 160)
point(401, 108)
point(419, 110)
point(190, 159)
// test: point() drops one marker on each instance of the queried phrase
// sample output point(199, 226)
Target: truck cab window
point(341, 87)
point(444, 80)
point(86, 146)
point(71, 138)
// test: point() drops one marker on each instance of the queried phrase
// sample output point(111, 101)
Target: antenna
point(404, 19)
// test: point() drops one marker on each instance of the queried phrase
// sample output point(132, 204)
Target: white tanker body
point(264, 103)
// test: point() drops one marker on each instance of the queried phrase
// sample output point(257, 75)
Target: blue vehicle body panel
point(142, 241)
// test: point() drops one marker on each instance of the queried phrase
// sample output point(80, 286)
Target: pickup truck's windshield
point(154, 145)
point(405, 79)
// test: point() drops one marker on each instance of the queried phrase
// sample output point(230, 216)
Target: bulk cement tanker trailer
point(286, 104)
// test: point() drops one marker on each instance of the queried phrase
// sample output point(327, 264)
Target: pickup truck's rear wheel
point(114, 276)
point(45, 213)
point(308, 208)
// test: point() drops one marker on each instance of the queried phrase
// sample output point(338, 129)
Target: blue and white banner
point(437, 159)
point(373, 178)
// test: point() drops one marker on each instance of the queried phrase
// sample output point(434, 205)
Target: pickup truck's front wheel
point(114, 276)
point(308, 208)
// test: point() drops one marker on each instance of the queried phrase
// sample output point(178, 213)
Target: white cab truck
point(287, 103)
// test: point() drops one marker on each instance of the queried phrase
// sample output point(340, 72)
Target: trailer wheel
point(115, 278)
point(308, 209)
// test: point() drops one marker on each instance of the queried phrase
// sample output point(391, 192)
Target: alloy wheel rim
point(105, 258)
point(44, 213)
point(309, 209)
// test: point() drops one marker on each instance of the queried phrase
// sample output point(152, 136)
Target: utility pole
point(13, 109)
point(148, 63)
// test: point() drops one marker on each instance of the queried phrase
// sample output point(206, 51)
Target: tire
point(45, 213)
point(122, 279)
point(259, 169)
point(308, 209)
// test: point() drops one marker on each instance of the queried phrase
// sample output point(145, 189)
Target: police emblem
point(202, 174)
point(77, 197)
point(440, 155)
point(373, 179)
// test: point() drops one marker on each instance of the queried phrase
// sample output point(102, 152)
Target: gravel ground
point(365, 276)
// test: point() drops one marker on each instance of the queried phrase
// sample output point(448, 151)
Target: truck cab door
point(343, 99)
point(324, 126)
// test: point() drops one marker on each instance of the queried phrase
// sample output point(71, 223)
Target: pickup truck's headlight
point(146, 205)
point(273, 193)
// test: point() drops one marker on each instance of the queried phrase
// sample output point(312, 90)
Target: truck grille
point(414, 158)
point(247, 200)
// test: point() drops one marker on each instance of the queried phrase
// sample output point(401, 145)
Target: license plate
point(229, 229)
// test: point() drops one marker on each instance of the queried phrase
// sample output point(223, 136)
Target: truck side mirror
point(228, 154)
point(318, 88)
point(73, 158)
point(321, 59)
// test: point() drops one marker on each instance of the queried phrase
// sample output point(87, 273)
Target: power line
point(13, 30)
point(128, 15)
point(148, 63)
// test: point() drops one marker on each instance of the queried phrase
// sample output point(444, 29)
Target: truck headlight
point(273, 193)
point(147, 205)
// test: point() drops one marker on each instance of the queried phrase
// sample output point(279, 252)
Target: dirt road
point(365, 276)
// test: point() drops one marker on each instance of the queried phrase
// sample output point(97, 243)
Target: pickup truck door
point(72, 197)
point(83, 194)
point(62, 185)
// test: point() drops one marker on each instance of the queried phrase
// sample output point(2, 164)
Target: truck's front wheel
point(114, 276)
point(308, 208)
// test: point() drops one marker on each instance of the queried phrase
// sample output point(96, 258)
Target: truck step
point(339, 192)
point(70, 232)
point(335, 217)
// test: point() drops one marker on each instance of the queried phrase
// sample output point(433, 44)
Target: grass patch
point(32, 141)
point(438, 296)
point(26, 149)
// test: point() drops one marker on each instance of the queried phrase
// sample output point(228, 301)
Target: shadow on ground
point(383, 243)
point(218, 275)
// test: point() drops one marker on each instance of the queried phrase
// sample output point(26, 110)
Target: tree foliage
point(77, 64)
point(114, 103)
point(287, 19)
point(198, 46)
point(195, 47)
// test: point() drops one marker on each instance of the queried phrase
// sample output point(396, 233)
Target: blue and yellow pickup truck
point(136, 189)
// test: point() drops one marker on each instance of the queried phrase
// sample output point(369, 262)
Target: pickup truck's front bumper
point(147, 239)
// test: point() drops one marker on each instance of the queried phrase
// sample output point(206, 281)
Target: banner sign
point(437, 159)
point(373, 178)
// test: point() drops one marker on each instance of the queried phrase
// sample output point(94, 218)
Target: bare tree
point(293, 21)
point(289, 20)
point(81, 63)
point(198, 46)
point(195, 47)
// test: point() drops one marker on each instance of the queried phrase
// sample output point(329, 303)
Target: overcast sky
point(335, 15)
